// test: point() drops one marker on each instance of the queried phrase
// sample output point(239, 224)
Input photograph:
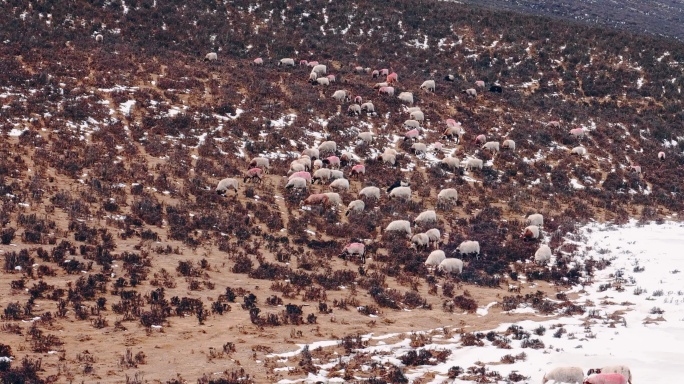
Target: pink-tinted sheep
point(358, 170)
point(316, 199)
point(303, 62)
point(258, 61)
point(254, 175)
point(303, 174)
point(358, 99)
point(354, 249)
point(577, 132)
point(480, 139)
point(452, 123)
point(606, 378)
point(386, 90)
point(332, 162)
point(331, 78)
point(392, 78)
point(661, 155)
point(480, 84)
point(411, 135)
point(384, 72)
point(375, 74)
point(636, 168)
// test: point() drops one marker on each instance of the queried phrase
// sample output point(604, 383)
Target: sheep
point(354, 109)
point(327, 146)
point(303, 62)
point(492, 146)
point(303, 174)
point(287, 61)
point(580, 151)
point(425, 217)
point(401, 192)
point(535, 219)
point(435, 235)
point(554, 123)
point(226, 184)
point(347, 157)
point(411, 124)
point(295, 167)
point(542, 255)
point(392, 78)
point(635, 168)
point(336, 174)
point(446, 197)
point(451, 266)
point(332, 162)
point(318, 164)
point(366, 137)
point(428, 85)
point(341, 95)
point(320, 175)
point(417, 115)
point(389, 91)
point(355, 206)
point(306, 161)
point(530, 232)
point(320, 69)
point(399, 226)
point(333, 198)
point(411, 135)
point(99, 38)
point(453, 132)
point(495, 89)
point(260, 162)
point(358, 68)
point(384, 72)
point(410, 110)
point(419, 148)
point(388, 158)
point(357, 170)
point(354, 249)
point(340, 185)
point(323, 81)
point(258, 61)
point(470, 92)
point(368, 107)
point(358, 99)
point(316, 199)
point(311, 63)
point(661, 155)
point(451, 162)
point(606, 378)
point(621, 369)
point(296, 182)
point(375, 73)
point(474, 163)
point(565, 375)
point(254, 175)
point(406, 97)
point(436, 146)
point(397, 184)
point(313, 76)
point(480, 139)
point(577, 132)
point(380, 85)
point(331, 79)
point(469, 246)
point(420, 241)
point(510, 144)
point(435, 258)
point(211, 56)
point(450, 78)
point(480, 84)
point(311, 152)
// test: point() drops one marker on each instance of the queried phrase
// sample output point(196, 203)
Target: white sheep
point(354, 109)
point(368, 107)
point(425, 217)
point(211, 56)
point(621, 369)
point(510, 144)
point(535, 219)
point(420, 241)
point(98, 38)
point(435, 235)
point(226, 184)
point(469, 246)
point(543, 254)
point(417, 115)
point(470, 92)
point(406, 97)
point(451, 266)
point(399, 226)
point(389, 158)
point(366, 137)
point(411, 124)
point(333, 198)
point(260, 162)
point(296, 166)
point(321, 175)
point(370, 192)
point(413, 109)
point(313, 76)
point(451, 162)
point(341, 95)
point(491, 145)
point(530, 232)
point(340, 185)
point(401, 192)
point(287, 61)
point(323, 81)
point(296, 182)
point(428, 85)
point(355, 206)
point(473, 163)
point(354, 249)
point(570, 375)
point(446, 197)
point(580, 151)
point(327, 146)
point(311, 152)
point(320, 69)
point(419, 148)
point(336, 174)
point(435, 258)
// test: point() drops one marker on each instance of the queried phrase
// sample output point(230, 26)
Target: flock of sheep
point(614, 374)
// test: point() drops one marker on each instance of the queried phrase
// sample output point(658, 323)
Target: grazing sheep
point(226, 184)
point(311, 152)
point(357, 170)
point(354, 109)
point(453, 132)
point(254, 175)
point(306, 160)
point(366, 137)
point(340, 185)
point(661, 156)
point(287, 61)
point(355, 206)
point(303, 62)
point(333, 198)
point(492, 146)
point(380, 85)
point(419, 148)
point(420, 241)
point(446, 197)
point(401, 192)
point(406, 97)
point(450, 78)
point(368, 107)
point(580, 151)
point(303, 174)
point(410, 110)
point(358, 69)
point(296, 182)
point(399, 226)
point(312, 63)
point(313, 76)
point(495, 89)
point(323, 81)
point(211, 56)
point(568, 375)
point(451, 162)
point(321, 175)
point(417, 115)
point(397, 184)
point(530, 232)
point(436, 146)
point(99, 38)
point(370, 193)
point(332, 162)
point(426, 217)
point(358, 99)
point(341, 95)
point(452, 123)
point(474, 163)
point(317, 164)
point(554, 123)
point(320, 69)
point(388, 158)
point(606, 378)
point(392, 78)
point(480, 139)
point(470, 92)
point(411, 124)
point(480, 84)
point(469, 246)
point(389, 91)
point(331, 78)
point(428, 85)
point(435, 258)
point(354, 249)
point(375, 73)
point(543, 254)
point(577, 132)
point(451, 266)
point(295, 167)
point(621, 369)
point(384, 72)
point(336, 174)
point(260, 162)
point(411, 135)
point(327, 147)
point(258, 61)
point(535, 219)
point(435, 236)
point(510, 144)
point(316, 199)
